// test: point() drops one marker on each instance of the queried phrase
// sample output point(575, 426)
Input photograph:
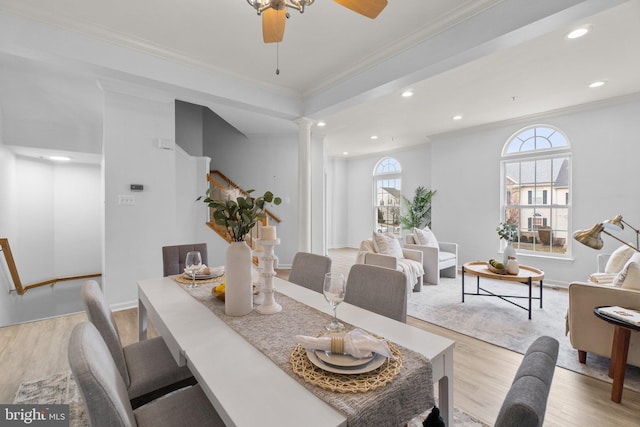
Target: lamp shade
point(614, 223)
point(590, 237)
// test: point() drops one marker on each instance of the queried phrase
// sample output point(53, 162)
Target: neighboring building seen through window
point(387, 196)
point(536, 188)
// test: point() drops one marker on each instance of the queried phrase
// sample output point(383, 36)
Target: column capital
point(304, 122)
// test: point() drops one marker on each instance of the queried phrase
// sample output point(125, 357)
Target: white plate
point(377, 361)
point(342, 360)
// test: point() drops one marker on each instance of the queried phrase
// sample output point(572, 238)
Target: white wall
point(466, 173)
point(264, 163)
point(52, 219)
point(337, 197)
point(165, 213)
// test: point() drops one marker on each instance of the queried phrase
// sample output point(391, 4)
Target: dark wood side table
point(619, 351)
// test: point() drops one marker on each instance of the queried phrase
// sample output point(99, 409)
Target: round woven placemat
point(345, 383)
point(186, 279)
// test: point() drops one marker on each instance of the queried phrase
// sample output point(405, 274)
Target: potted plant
point(418, 210)
point(239, 216)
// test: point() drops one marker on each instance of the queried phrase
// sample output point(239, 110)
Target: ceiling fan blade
point(273, 22)
point(369, 8)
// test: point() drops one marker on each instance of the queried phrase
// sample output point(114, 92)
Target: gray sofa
point(526, 400)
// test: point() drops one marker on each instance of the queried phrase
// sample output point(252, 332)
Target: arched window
point(536, 189)
point(386, 188)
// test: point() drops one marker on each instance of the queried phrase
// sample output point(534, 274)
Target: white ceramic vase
point(512, 266)
point(238, 289)
point(509, 251)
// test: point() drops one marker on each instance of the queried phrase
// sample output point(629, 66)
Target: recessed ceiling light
point(597, 83)
point(579, 32)
point(60, 158)
point(345, 153)
point(374, 136)
point(321, 124)
point(407, 94)
point(457, 117)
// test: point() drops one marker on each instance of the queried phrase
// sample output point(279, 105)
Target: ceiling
point(335, 65)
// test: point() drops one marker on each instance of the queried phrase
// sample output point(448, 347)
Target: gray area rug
point(60, 388)
point(496, 321)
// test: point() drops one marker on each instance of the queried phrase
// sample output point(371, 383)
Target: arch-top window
point(386, 186)
point(536, 189)
point(535, 139)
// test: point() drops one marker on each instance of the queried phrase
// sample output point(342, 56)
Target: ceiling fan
point(274, 13)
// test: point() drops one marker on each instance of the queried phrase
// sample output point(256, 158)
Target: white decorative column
point(304, 184)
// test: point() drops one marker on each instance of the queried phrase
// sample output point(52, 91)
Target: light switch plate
point(126, 200)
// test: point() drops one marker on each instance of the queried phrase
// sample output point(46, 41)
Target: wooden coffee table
point(526, 275)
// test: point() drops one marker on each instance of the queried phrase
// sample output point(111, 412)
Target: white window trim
point(531, 155)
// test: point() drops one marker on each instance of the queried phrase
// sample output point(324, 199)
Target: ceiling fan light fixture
point(273, 24)
point(262, 5)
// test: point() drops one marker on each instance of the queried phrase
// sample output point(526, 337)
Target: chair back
point(526, 401)
point(99, 313)
point(173, 257)
point(98, 379)
point(378, 289)
point(308, 270)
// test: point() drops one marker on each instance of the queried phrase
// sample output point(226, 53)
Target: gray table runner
point(408, 395)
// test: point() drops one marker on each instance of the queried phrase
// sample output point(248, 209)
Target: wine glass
point(334, 289)
point(192, 264)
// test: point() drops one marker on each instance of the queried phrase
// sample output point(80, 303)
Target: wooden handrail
point(237, 187)
point(20, 289)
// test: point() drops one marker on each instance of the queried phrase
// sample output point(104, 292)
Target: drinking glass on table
point(192, 265)
point(334, 290)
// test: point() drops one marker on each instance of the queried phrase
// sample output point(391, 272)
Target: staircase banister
point(230, 183)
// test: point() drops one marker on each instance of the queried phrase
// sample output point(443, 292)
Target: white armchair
point(438, 258)
point(616, 283)
point(406, 260)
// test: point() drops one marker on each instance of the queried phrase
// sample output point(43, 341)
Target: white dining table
point(244, 385)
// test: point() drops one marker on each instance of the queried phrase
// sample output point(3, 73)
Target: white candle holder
point(259, 297)
point(269, 304)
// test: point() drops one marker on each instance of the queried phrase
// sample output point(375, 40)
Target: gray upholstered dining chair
point(378, 289)
point(526, 401)
point(105, 393)
point(147, 368)
point(308, 270)
point(173, 257)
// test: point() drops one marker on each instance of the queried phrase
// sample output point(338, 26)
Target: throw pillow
point(618, 259)
point(425, 237)
point(387, 244)
point(629, 276)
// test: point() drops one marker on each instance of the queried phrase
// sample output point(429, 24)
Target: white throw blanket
point(412, 271)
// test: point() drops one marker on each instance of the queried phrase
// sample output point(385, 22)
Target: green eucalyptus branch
point(508, 232)
point(241, 215)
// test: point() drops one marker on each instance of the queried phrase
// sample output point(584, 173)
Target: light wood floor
point(483, 372)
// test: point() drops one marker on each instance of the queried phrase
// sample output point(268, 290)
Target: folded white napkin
point(357, 343)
